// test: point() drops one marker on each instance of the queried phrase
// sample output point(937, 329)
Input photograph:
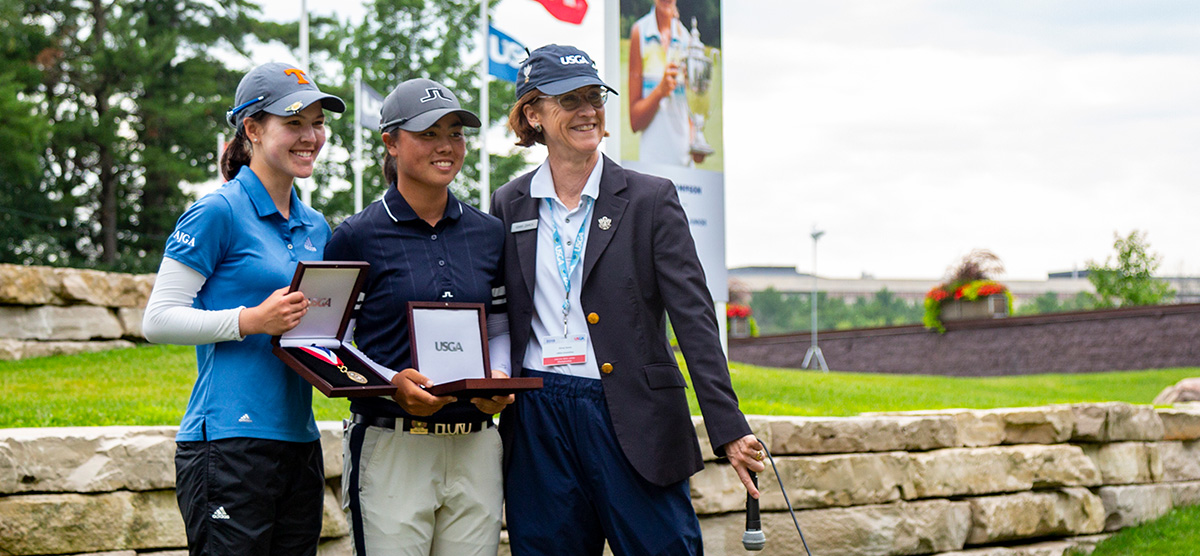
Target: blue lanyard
point(565, 271)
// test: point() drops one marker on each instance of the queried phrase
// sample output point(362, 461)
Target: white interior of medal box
point(328, 291)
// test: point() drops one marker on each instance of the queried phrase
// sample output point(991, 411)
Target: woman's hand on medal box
point(279, 313)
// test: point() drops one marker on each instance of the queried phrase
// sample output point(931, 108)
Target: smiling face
point(429, 158)
point(570, 134)
point(285, 147)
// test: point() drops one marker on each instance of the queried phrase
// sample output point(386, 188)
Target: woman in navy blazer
point(596, 258)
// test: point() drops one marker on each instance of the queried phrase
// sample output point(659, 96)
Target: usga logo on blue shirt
point(184, 238)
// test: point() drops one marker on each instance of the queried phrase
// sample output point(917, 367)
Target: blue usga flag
point(370, 103)
point(505, 55)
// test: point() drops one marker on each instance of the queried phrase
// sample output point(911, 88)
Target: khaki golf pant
point(424, 494)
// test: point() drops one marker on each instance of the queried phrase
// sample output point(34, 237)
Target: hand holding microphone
point(753, 538)
point(746, 454)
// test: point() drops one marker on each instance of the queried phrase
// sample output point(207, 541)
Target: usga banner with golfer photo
point(671, 113)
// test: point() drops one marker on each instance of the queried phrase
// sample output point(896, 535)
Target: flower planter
point(991, 307)
point(739, 327)
point(738, 316)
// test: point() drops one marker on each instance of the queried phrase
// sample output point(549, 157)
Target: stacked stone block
point(110, 490)
point(1006, 482)
point(987, 482)
point(56, 311)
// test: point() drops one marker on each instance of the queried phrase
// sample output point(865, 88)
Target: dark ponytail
point(389, 162)
point(238, 151)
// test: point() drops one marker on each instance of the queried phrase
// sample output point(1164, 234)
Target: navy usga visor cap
point(556, 69)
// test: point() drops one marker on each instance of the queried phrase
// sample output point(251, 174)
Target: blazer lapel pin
point(604, 222)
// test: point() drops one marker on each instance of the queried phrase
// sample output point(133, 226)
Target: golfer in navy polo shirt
point(249, 472)
point(408, 490)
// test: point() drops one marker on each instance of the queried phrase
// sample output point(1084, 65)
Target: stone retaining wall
point(55, 311)
point(1030, 481)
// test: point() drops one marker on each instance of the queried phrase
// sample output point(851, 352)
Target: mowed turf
point(150, 385)
point(773, 391)
point(1175, 534)
point(147, 385)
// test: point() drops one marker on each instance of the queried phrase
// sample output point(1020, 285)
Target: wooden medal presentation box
point(314, 348)
point(450, 347)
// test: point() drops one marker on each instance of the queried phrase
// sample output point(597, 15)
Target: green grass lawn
point(149, 385)
point(772, 391)
point(1175, 534)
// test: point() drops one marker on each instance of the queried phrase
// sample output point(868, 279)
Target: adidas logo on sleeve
point(220, 513)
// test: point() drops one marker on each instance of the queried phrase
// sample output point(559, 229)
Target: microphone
point(753, 538)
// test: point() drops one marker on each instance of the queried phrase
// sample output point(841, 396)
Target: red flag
point(570, 11)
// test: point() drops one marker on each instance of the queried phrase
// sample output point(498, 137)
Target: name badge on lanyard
point(568, 349)
point(559, 350)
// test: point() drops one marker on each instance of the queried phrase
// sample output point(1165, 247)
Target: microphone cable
point(785, 498)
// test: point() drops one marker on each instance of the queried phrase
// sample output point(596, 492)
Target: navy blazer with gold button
point(639, 268)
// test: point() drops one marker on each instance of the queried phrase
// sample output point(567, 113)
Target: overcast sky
point(913, 131)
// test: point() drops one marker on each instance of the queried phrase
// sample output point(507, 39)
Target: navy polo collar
point(264, 205)
point(400, 211)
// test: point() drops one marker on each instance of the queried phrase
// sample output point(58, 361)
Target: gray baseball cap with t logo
point(279, 89)
point(417, 104)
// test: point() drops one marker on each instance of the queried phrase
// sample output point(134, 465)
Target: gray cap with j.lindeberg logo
point(417, 104)
point(279, 89)
point(556, 69)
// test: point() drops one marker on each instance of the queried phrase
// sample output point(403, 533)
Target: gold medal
point(328, 356)
point(353, 375)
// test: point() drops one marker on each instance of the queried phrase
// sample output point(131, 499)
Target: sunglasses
point(573, 100)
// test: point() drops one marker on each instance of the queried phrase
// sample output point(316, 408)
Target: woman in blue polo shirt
point(408, 488)
point(249, 471)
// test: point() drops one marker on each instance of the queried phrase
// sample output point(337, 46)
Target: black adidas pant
point(249, 496)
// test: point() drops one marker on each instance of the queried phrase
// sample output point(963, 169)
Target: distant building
point(1187, 288)
point(786, 279)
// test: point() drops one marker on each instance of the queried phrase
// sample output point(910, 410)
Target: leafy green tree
point(133, 100)
point(1049, 302)
point(778, 312)
point(774, 311)
point(179, 103)
point(399, 40)
point(1129, 280)
point(27, 216)
point(1042, 304)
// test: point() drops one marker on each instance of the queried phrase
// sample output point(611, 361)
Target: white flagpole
point(220, 153)
point(612, 74)
point(358, 141)
point(485, 163)
point(305, 185)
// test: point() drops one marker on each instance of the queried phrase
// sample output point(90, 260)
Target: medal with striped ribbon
point(328, 356)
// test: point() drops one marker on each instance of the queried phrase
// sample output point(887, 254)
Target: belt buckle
point(417, 427)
